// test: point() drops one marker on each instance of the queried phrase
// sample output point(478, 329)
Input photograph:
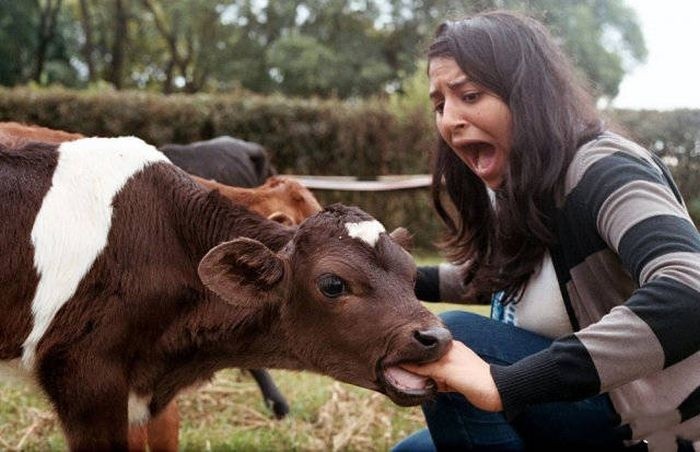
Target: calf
point(281, 199)
point(123, 282)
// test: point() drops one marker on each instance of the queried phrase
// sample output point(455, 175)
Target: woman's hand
point(461, 370)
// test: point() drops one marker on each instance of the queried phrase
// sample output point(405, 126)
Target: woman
point(584, 240)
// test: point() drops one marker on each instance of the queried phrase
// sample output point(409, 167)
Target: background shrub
point(324, 137)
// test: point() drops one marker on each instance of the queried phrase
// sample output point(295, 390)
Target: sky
point(670, 78)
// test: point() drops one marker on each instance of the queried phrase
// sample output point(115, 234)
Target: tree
point(17, 41)
point(36, 42)
point(602, 36)
point(344, 48)
point(89, 40)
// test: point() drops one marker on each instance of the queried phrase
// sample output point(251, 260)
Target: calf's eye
point(331, 286)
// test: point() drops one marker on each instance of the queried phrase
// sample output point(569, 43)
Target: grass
point(228, 414)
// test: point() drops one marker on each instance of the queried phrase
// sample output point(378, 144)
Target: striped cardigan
point(628, 264)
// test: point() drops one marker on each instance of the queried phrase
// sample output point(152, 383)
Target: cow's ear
point(281, 217)
point(242, 271)
point(403, 238)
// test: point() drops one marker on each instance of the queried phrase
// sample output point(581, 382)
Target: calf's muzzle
point(434, 340)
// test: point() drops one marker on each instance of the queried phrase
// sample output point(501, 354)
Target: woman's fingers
point(462, 370)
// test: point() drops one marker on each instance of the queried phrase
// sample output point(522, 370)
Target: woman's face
point(474, 122)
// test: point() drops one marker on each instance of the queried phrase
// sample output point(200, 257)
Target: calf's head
point(345, 290)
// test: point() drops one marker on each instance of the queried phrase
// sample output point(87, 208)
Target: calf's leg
point(271, 394)
point(138, 438)
point(163, 429)
point(159, 434)
point(90, 400)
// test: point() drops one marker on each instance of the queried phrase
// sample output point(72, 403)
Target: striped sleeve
point(637, 214)
point(440, 283)
point(623, 202)
point(428, 283)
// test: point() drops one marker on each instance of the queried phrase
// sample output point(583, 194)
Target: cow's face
point(286, 201)
point(348, 307)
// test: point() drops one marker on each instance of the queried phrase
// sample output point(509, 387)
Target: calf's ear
point(403, 238)
point(242, 271)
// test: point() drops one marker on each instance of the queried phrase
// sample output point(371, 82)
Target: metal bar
point(385, 183)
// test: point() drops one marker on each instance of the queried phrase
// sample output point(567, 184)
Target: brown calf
point(280, 199)
point(124, 282)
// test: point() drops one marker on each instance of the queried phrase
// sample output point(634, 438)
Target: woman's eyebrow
point(458, 82)
point(451, 85)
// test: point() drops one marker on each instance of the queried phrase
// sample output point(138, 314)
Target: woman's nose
point(453, 117)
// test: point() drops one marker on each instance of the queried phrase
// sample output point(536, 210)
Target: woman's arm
point(440, 283)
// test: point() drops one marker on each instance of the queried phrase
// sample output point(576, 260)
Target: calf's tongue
point(404, 379)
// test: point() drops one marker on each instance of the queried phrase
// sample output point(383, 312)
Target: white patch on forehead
point(139, 413)
point(367, 231)
point(73, 223)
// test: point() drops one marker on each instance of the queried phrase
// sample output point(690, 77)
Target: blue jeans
point(454, 424)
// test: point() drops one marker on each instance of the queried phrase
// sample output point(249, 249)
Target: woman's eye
point(471, 96)
point(439, 107)
point(332, 286)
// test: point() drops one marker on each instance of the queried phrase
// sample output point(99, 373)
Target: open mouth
point(406, 388)
point(480, 155)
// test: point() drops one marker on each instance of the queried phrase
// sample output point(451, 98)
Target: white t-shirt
point(540, 308)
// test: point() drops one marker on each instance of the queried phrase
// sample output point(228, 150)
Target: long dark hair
point(504, 240)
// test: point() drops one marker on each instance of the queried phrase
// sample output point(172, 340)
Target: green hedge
point(305, 136)
point(321, 137)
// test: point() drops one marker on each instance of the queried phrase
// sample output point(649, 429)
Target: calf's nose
point(435, 339)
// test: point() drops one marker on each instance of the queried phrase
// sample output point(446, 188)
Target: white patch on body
point(367, 231)
point(72, 226)
point(139, 413)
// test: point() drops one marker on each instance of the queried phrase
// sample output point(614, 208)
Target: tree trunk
point(47, 31)
point(119, 43)
point(89, 47)
point(168, 82)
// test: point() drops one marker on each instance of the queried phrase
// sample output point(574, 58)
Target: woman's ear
point(242, 271)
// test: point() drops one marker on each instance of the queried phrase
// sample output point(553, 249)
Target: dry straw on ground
point(228, 414)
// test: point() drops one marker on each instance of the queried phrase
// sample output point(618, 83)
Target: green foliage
point(329, 48)
point(16, 21)
point(23, 35)
point(603, 37)
point(302, 66)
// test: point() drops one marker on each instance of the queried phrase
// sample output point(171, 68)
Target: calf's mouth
point(403, 387)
